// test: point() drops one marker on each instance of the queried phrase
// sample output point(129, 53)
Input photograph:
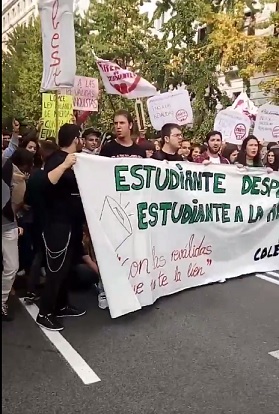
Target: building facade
point(18, 12)
point(15, 13)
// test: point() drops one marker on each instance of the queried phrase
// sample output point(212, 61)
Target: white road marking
point(268, 279)
point(275, 354)
point(77, 363)
point(276, 274)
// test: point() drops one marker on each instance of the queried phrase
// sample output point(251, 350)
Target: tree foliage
point(268, 61)
point(190, 60)
point(21, 73)
point(118, 31)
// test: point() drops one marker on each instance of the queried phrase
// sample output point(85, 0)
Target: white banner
point(170, 107)
point(59, 53)
point(123, 82)
point(158, 227)
point(233, 125)
point(267, 123)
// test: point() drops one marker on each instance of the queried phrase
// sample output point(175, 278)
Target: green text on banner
point(158, 228)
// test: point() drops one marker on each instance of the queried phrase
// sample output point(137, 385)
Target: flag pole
point(56, 115)
point(140, 115)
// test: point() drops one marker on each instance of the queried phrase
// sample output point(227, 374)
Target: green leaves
point(199, 37)
point(21, 74)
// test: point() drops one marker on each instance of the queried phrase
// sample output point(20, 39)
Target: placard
point(233, 125)
point(170, 107)
point(267, 123)
point(85, 94)
point(65, 113)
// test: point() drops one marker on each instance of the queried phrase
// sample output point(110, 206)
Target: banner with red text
point(118, 81)
point(159, 228)
point(58, 39)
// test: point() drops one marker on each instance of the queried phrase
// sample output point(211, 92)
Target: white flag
point(243, 104)
point(59, 52)
point(123, 82)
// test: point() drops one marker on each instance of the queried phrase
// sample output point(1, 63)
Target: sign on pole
point(233, 125)
point(170, 107)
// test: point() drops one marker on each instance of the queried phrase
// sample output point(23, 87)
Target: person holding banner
point(250, 153)
point(213, 153)
point(171, 137)
point(63, 231)
point(123, 146)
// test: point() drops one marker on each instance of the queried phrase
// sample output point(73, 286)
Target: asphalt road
point(202, 351)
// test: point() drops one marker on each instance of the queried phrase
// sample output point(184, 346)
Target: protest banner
point(158, 228)
point(123, 82)
point(233, 125)
point(170, 107)
point(85, 94)
point(65, 113)
point(267, 123)
point(58, 43)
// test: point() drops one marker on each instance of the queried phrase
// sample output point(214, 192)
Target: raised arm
point(13, 144)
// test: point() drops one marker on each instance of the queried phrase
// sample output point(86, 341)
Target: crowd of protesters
point(44, 231)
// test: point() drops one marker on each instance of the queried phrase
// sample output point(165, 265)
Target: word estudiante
point(139, 177)
point(150, 215)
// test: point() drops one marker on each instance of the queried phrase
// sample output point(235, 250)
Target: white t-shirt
point(215, 160)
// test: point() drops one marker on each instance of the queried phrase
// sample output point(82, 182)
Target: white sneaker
point(222, 280)
point(21, 273)
point(102, 301)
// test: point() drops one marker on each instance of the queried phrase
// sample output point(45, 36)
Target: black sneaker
point(70, 311)
point(6, 316)
point(49, 322)
point(31, 298)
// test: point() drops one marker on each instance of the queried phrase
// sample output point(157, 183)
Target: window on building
point(8, 17)
point(23, 5)
point(4, 22)
point(18, 9)
point(13, 12)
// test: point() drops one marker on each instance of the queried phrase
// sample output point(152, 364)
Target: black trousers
point(60, 240)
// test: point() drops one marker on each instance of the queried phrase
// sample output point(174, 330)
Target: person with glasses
point(92, 140)
point(171, 139)
point(63, 229)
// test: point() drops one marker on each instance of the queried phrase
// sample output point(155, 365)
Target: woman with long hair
point(250, 153)
point(272, 160)
point(230, 151)
point(30, 143)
